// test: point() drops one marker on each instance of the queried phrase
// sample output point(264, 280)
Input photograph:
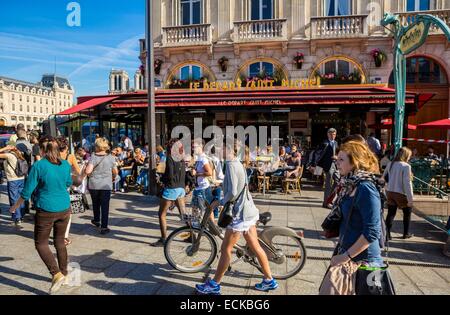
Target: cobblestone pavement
point(124, 263)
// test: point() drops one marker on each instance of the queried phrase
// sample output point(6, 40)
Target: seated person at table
point(431, 155)
point(283, 155)
point(139, 159)
point(161, 154)
point(126, 169)
point(295, 164)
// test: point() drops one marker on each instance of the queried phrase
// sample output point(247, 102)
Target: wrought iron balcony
point(344, 26)
point(260, 30)
point(187, 35)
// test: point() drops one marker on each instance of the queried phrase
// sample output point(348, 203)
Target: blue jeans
point(143, 179)
point(200, 195)
point(217, 194)
point(15, 188)
point(100, 205)
point(123, 176)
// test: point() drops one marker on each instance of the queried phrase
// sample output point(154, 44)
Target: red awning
point(88, 104)
point(325, 96)
point(438, 124)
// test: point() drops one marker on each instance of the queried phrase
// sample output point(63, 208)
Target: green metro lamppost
point(406, 40)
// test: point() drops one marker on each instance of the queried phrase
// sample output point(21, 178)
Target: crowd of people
point(42, 174)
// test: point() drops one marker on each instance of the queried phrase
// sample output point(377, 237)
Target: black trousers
point(392, 211)
point(100, 205)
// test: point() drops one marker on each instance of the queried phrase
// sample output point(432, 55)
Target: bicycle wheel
point(290, 259)
point(180, 253)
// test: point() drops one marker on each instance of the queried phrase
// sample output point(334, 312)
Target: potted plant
point(223, 62)
point(157, 65)
point(298, 59)
point(378, 56)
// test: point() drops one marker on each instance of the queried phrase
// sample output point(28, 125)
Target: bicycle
point(193, 248)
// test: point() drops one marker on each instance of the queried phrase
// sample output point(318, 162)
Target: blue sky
point(34, 33)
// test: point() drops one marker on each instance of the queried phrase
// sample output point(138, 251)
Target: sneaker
point(57, 282)
point(209, 287)
point(18, 224)
point(122, 190)
point(104, 231)
point(266, 285)
point(96, 224)
point(160, 243)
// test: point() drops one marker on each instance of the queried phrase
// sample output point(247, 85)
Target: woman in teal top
point(50, 179)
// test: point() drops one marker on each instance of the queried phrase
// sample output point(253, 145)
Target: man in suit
point(327, 162)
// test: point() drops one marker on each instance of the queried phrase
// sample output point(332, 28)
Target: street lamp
point(150, 75)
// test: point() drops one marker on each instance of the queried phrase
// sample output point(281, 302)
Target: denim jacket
point(365, 220)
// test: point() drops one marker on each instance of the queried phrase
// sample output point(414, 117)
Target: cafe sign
point(251, 85)
point(414, 37)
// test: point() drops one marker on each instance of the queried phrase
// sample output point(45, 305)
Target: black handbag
point(332, 223)
point(374, 282)
point(226, 215)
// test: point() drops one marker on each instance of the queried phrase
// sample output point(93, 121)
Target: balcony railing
point(344, 26)
point(186, 35)
point(261, 30)
point(407, 18)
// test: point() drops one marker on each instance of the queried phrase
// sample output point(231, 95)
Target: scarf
point(348, 184)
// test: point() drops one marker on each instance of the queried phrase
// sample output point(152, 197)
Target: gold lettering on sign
point(412, 37)
point(250, 84)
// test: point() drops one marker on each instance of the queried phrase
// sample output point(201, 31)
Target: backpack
point(21, 168)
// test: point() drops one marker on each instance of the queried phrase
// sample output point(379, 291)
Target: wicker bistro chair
point(293, 183)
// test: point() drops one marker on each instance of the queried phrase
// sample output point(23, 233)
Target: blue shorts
point(173, 194)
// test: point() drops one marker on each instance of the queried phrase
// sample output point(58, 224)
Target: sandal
point(67, 241)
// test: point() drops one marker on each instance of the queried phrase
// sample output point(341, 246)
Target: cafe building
point(304, 66)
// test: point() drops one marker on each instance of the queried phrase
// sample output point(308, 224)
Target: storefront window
point(191, 12)
point(262, 10)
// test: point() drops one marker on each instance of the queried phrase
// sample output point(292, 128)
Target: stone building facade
point(31, 103)
point(335, 39)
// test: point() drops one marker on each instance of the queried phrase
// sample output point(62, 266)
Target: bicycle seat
point(265, 217)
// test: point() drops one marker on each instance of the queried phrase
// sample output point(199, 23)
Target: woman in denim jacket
point(360, 240)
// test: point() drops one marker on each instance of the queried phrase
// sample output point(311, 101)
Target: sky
point(35, 33)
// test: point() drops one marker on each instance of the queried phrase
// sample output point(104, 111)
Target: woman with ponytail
point(49, 179)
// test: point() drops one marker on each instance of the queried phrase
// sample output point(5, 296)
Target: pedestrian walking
point(101, 171)
point(49, 178)
point(245, 216)
point(359, 201)
point(203, 170)
point(75, 171)
point(399, 190)
point(15, 178)
point(173, 192)
point(36, 152)
point(327, 161)
point(374, 144)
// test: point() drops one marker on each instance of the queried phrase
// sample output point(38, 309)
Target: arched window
point(190, 72)
point(191, 12)
point(262, 10)
point(261, 69)
point(339, 71)
point(423, 70)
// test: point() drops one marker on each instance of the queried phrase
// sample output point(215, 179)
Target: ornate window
point(261, 69)
point(339, 70)
point(418, 5)
point(191, 12)
point(190, 72)
point(262, 10)
point(423, 70)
